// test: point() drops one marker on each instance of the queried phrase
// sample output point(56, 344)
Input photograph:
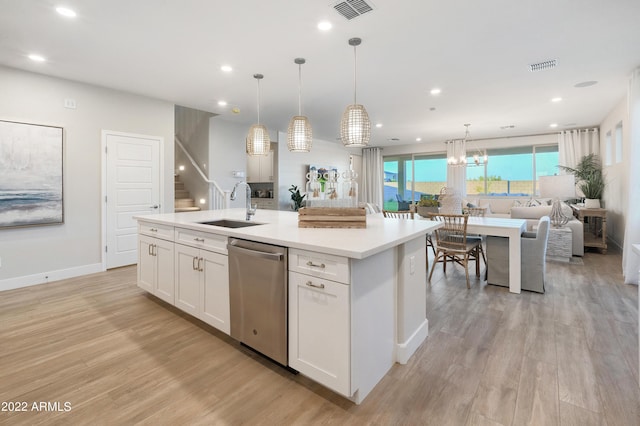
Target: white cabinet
point(320, 319)
point(265, 203)
point(260, 168)
point(155, 267)
point(202, 285)
point(319, 331)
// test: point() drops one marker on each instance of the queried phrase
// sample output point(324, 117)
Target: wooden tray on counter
point(332, 217)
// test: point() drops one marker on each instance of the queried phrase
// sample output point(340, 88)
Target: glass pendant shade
point(355, 127)
point(258, 141)
point(299, 134)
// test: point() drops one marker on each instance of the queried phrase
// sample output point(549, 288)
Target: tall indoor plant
point(589, 178)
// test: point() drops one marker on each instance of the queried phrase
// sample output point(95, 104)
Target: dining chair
point(452, 243)
point(403, 214)
point(478, 212)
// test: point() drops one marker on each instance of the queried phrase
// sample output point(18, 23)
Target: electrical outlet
point(70, 103)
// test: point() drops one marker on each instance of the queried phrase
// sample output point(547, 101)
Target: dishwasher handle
point(264, 255)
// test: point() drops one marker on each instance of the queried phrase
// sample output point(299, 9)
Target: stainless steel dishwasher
point(258, 293)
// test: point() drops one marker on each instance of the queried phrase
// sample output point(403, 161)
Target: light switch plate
point(70, 103)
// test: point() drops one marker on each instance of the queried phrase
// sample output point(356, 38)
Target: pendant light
point(355, 127)
point(258, 142)
point(299, 138)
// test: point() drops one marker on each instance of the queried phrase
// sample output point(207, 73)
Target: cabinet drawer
point(154, 230)
point(320, 265)
point(204, 240)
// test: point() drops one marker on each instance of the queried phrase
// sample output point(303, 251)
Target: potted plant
point(589, 178)
point(296, 197)
point(427, 204)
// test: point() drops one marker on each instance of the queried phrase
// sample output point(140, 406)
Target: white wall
point(30, 255)
point(293, 166)
point(227, 152)
point(616, 175)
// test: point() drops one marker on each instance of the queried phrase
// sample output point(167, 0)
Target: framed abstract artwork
point(31, 161)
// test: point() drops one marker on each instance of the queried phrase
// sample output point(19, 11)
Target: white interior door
point(133, 167)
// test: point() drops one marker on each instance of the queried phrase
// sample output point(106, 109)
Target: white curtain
point(373, 176)
point(630, 261)
point(457, 179)
point(575, 144)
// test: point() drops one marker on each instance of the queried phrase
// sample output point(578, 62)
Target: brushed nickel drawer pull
point(193, 264)
point(153, 229)
point(310, 263)
point(200, 240)
point(310, 284)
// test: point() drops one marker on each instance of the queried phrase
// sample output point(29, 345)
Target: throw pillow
point(471, 205)
point(517, 203)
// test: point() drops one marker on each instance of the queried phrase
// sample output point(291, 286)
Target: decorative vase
point(591, 203)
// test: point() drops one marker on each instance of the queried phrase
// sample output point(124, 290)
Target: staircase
point(183, 200)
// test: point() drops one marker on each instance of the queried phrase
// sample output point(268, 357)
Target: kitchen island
point(356, 297)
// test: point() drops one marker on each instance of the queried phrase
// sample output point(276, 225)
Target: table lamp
point(559, 188)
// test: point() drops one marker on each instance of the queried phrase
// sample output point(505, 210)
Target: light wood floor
point(120, 356)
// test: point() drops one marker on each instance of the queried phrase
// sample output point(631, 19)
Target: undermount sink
point(227, 223)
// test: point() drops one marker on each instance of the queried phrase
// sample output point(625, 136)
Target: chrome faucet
point(250, 210)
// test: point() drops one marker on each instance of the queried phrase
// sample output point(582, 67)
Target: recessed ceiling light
point(226, 68)
point(325, 25)
point(586, 83)
point(432, 109)
point(37, 58)
point(553, 125)
point(378, 125)
point(418, 139)
point(436, 91)
point(558, 99)
point(65, 11)
point(222, 103)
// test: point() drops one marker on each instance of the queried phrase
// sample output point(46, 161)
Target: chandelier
point(258, 142)
point(457, 152)
point(355, 127)
point(299, 136)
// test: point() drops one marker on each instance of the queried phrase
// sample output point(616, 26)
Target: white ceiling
point(477, 52)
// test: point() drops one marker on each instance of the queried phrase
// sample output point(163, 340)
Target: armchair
point(534, 250)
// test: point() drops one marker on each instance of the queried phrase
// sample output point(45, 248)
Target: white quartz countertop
point(281, 228)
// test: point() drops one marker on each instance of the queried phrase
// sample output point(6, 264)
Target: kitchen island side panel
point(372, 320)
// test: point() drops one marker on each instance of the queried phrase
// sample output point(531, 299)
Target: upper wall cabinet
point(260, 168)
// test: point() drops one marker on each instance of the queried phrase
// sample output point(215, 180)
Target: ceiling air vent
point(352, 8)
point(541, 66)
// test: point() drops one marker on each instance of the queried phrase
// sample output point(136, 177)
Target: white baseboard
point(47, 277)
point(406, 349)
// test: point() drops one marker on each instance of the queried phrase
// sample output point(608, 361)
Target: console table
point(595, 226)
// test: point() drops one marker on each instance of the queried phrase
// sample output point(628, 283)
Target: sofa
point(530, 209)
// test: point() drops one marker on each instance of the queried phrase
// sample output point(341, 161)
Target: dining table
point(502, 227)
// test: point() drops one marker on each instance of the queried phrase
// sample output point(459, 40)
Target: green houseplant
point(589, 178)
point(296, 197)
point(427, 204)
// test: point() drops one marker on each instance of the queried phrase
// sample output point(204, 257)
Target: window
point(511, 171)
point(619, 142)
point(400, 189)
point(608, 148)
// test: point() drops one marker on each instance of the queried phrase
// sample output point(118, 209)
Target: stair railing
point(218, 198)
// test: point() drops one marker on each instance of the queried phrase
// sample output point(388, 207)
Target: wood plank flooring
point(120, 356)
